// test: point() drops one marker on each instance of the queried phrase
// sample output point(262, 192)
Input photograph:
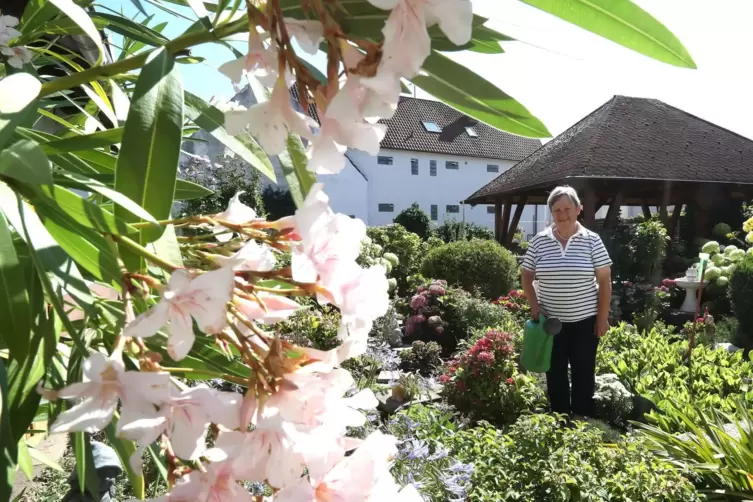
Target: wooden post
point(674, 221)
point(646, 211)
point(515, 220)
point(498, 222)
point(666, 198)
point(589, 208)
point(505, 223)
point(614, 210)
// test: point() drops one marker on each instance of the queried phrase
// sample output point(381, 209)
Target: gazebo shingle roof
point(632, 138)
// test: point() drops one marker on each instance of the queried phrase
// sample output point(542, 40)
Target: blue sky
point(562, 73)
point(202, 79)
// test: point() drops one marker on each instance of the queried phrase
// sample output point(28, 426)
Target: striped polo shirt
point(567, 287)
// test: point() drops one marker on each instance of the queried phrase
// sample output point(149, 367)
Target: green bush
point(405, 245)
point(413, 219)
point(423, 358)
point(652, 365)
point(741, 297)
point(278, 202)
point(483, 382)
point(315, 327)
point(474, 264)
point(453, 231)
point(714, 448)
point(466, 312)
point(541, 460)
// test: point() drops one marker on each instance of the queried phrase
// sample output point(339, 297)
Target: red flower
point(444, 378)
point(460, 385)
point(510, 381)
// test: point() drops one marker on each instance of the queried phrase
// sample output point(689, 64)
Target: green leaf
point(98, 139)
point(623, 22)
point(148, 161)
point(8, 447)
point(44, 459)
point(127, 28)
point(212, 120)
point(15, 311)
point(201, 12)
point(125, 449)
point(166, 247)
point(47, 254)
point(87, 474)
point(26, 162)
point(188, 190)
point(81, 18)
point(18, 93)
point(59, 27)
point(139, 6)
point(25, 462)
point(57, 200)
point(471, 94)
point(118, 198)
point(293, 162)
point(87, 247)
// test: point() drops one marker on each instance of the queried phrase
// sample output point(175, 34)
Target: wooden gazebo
point(629, 152)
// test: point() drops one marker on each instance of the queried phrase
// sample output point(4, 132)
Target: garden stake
point(695, 317)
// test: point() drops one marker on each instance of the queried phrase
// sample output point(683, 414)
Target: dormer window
point(471, 132)
point(431, 127)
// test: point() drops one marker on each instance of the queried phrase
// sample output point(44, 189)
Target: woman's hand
point(601, 328)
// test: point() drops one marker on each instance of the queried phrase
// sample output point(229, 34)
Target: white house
point(431, 154)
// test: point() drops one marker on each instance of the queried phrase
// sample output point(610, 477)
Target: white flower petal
point(308, 33)
point(455, 18)
point(91, 415)
point(181, 336)
point(150, 322)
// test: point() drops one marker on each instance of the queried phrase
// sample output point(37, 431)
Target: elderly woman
point(572, 270)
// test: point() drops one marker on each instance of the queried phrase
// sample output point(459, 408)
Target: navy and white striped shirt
point(567, 287)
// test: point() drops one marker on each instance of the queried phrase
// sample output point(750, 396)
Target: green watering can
point(538, 338)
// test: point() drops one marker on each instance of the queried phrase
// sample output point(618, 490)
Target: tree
point(415, 220)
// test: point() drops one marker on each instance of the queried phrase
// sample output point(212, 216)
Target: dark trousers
point(575, 346)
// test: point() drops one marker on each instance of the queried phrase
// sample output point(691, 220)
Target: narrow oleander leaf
point(97, 139)
point(188, 190)
point(88, 481)
point(139, 6)
point(25, 462)
point(118, 198)
point(8, 447)
point(293, 162)
point(473, 95)
point(201, 12)
point(18, 94)
point(136, 31)
point(212, 120)
point(25, 161)
point(80, 17)
point(623, 22)
point(148, 161)
point(48, 256)
point(168, 248)
point(15, 310)
point(63, 26)
point(55, 200)
point(44, 459)
point(125, 449)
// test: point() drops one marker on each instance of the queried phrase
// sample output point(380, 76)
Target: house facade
point(432, 155)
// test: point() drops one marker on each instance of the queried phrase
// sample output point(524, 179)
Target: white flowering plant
point(112, 318)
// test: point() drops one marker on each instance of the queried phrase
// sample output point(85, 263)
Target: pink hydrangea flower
point(417, 302)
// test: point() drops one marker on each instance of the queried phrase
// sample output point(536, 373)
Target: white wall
point(394, 184)
point(347, 191)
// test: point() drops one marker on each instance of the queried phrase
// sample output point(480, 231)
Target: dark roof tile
point(405, 131)
point(632, 138)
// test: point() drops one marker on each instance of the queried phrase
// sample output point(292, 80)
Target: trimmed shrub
point(741, 296)
point(474, 264)
point(422, 358)
point(413, 219)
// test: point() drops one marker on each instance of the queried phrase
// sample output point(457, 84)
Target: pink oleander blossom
point(104, 382)
point(203, 299)
point(275, 307)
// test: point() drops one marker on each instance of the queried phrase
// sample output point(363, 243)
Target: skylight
point(432, 127)
point(471, 132)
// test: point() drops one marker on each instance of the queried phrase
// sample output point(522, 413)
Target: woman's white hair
point(563, 191)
